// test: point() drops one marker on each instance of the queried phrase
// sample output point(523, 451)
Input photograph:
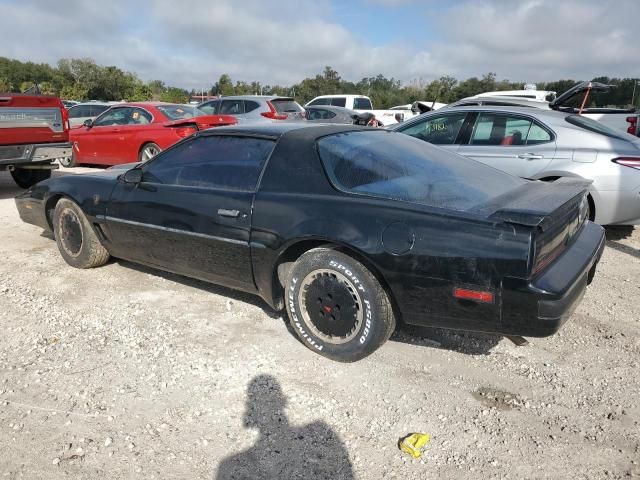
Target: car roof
point(100, 104)
point(535, 112)
point(252, 97)
point(333, 108)
point(505, 99)
point(279, 129)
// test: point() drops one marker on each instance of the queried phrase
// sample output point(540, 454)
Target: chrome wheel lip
point(330, 339)
point(62, 231)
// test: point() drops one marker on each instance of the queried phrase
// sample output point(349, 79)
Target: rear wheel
point(26, 178)
point(336, 306)
point(77, 242)
point(148, 151)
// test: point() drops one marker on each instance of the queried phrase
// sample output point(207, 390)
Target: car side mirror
point(88, 123)
point(132, 176)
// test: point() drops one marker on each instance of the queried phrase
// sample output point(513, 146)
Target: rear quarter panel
point(434, 251)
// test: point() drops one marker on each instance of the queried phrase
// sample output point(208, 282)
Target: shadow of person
point(283, 451)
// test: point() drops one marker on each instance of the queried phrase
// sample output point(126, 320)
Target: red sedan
point(135, 132)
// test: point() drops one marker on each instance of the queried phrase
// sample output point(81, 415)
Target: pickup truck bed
point(34, 131)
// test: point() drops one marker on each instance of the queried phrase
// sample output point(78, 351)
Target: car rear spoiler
point(203, 122)
point(535, 204)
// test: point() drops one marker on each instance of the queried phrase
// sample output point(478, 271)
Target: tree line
point(84, 79)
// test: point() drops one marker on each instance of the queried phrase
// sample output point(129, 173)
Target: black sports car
point(351, 229)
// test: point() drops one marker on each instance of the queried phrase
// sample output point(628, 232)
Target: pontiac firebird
point(352, 230)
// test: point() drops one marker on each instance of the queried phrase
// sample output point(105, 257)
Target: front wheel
point(336, 306)
point(148, 151)
point(26, 177)
point(77, 242)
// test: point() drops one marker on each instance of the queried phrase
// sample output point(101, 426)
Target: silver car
point(255, 108)
point(86, 111)
point(330, 114)
point(544, 145)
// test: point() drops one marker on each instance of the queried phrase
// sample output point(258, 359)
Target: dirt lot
point(126, 372)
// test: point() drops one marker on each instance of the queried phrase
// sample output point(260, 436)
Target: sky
point(190, 43)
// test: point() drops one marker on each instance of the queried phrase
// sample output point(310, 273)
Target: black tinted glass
point(339, 102)
point(399, 167)
point(231, 107)
point(362, 104)
point(286, 106)
point(250, 105)
point(226, 162)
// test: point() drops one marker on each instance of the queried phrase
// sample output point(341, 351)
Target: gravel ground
point(125, 372)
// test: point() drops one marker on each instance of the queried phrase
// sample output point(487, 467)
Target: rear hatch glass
point(288, 107)
point(396, 166)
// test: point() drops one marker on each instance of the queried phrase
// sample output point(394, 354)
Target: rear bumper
point(540, 307)
point(11, 155)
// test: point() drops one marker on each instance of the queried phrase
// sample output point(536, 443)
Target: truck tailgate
point(30, 120)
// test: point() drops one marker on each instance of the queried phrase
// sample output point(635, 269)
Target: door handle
point(530, 156)
point(224, 212)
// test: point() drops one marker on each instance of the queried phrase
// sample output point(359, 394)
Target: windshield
point(594, 126)
point(399, 167)
point(179, 112)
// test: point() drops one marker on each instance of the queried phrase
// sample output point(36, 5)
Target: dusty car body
point(351, 229)
point(544, 145)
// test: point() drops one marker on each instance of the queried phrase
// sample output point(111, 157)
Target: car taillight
point(633, 125)
point(633, 162)
point(65, 119)
point(273, 113)
point(185, 131)
point(474, 295)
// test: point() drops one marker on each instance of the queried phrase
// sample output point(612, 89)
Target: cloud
point(283, 41)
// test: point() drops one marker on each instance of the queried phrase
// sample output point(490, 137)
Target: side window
point(250, 106)
point(339, 102)
point(321, 101)
point(139, 117)
point(115, 116)
point(500, 130)
point(215, 161)
point(95, 110)
point(210, 108)
point(79, 111)
point(314, 113)
point(439, 130)
point(362, 104)
point(231, 107)
point(538, 134)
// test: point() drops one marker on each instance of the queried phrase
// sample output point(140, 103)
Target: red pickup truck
point(34, 131)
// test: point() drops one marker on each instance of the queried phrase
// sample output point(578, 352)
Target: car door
point(125, 145)
point(442, 129)
point(98, 143)
point(191, 213)
point(514, 143)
